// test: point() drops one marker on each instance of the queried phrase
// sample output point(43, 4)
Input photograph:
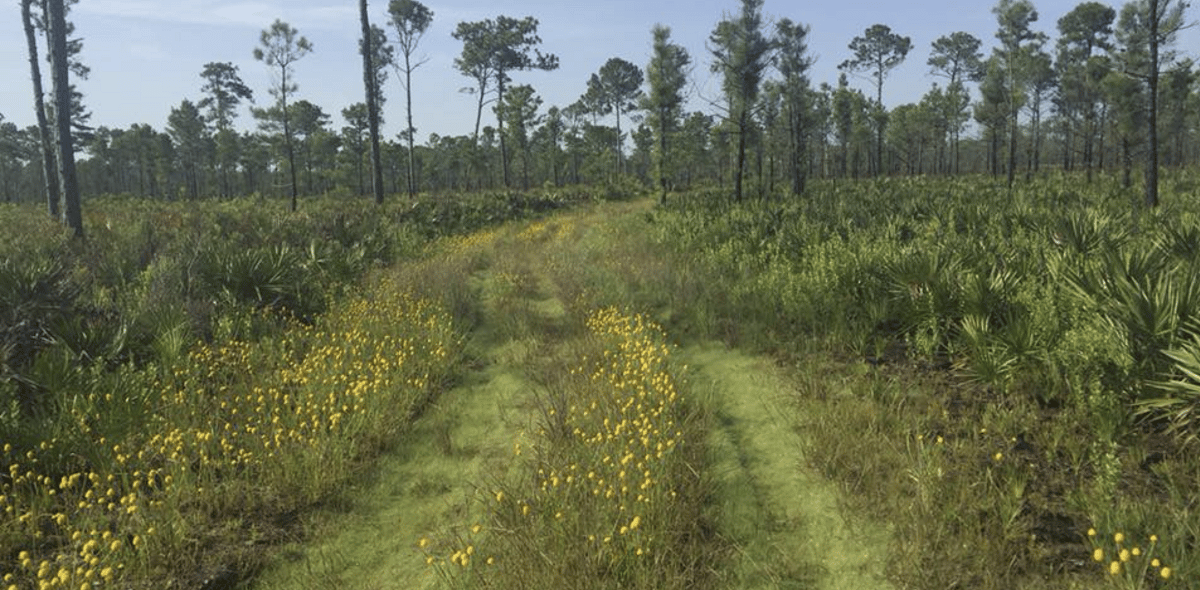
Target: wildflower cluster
point(546, 229)
point(621, 433)
point(604, 468)
point(470, 244)
point(285, 416)
point(1127, 563)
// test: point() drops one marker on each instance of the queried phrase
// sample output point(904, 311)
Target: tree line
point(1110, 92)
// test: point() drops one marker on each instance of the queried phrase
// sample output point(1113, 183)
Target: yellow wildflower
point(1098, 554)
point(1114, 568)
point(1165, 572)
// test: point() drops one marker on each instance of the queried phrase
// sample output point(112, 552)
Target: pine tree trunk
point(412, 161)
point(49, 162)
point(620, 162)
point(795, 149)
point(1127, 162)
point(1014, 128)
point(662, 156)
point(291, 155)
point(372, 106)
point(879, 126)
point(1152, 112)
point(500, 124)
point(741, 156)
point(67, 179)
point(287, 134)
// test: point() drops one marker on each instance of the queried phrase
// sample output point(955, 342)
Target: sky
point(146, 55)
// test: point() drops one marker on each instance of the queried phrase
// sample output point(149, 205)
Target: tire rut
point(784, 520)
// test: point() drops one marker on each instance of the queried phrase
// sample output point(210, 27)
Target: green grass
point(789, 527)
point(959, 382)
point(179, 390)
point(1026, 330)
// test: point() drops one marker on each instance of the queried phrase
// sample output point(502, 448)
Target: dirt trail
point(783, 518)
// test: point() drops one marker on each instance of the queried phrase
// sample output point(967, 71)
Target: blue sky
point(146, 55)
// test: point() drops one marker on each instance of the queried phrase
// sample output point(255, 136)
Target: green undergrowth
point(993, 372)
point(178, 390)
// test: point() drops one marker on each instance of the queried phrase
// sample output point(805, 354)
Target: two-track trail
point(781, 525)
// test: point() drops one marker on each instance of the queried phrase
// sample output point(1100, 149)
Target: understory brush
point(164, 475)
point(177, 389)
point(1018, 366)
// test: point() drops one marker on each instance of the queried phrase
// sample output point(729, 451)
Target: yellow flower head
point(1124, 555)
point(1114, 568)
point(1165, 572)
point(1155, 562)
point(1119, 537)
point(1091, 532)
point(1098, 555)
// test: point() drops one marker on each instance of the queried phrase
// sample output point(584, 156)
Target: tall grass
point(174, 391)
point(1018, 363)
point(607, 493)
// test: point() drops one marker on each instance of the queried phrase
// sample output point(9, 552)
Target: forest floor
point(785, 523)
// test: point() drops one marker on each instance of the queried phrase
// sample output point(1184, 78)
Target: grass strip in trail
point(370, 540)
point(608, 492)
point(785, 521)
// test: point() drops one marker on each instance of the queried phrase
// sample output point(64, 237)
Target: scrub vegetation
point(798, 341)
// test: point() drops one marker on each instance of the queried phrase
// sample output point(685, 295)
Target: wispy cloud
point(223, 13)
point(149, 52)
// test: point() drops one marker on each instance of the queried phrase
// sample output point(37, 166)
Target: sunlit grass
point(608, 484)
point(236, 431)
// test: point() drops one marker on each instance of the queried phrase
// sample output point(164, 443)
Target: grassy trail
point(782, 517)
point(781, 520)
point(428, 479)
